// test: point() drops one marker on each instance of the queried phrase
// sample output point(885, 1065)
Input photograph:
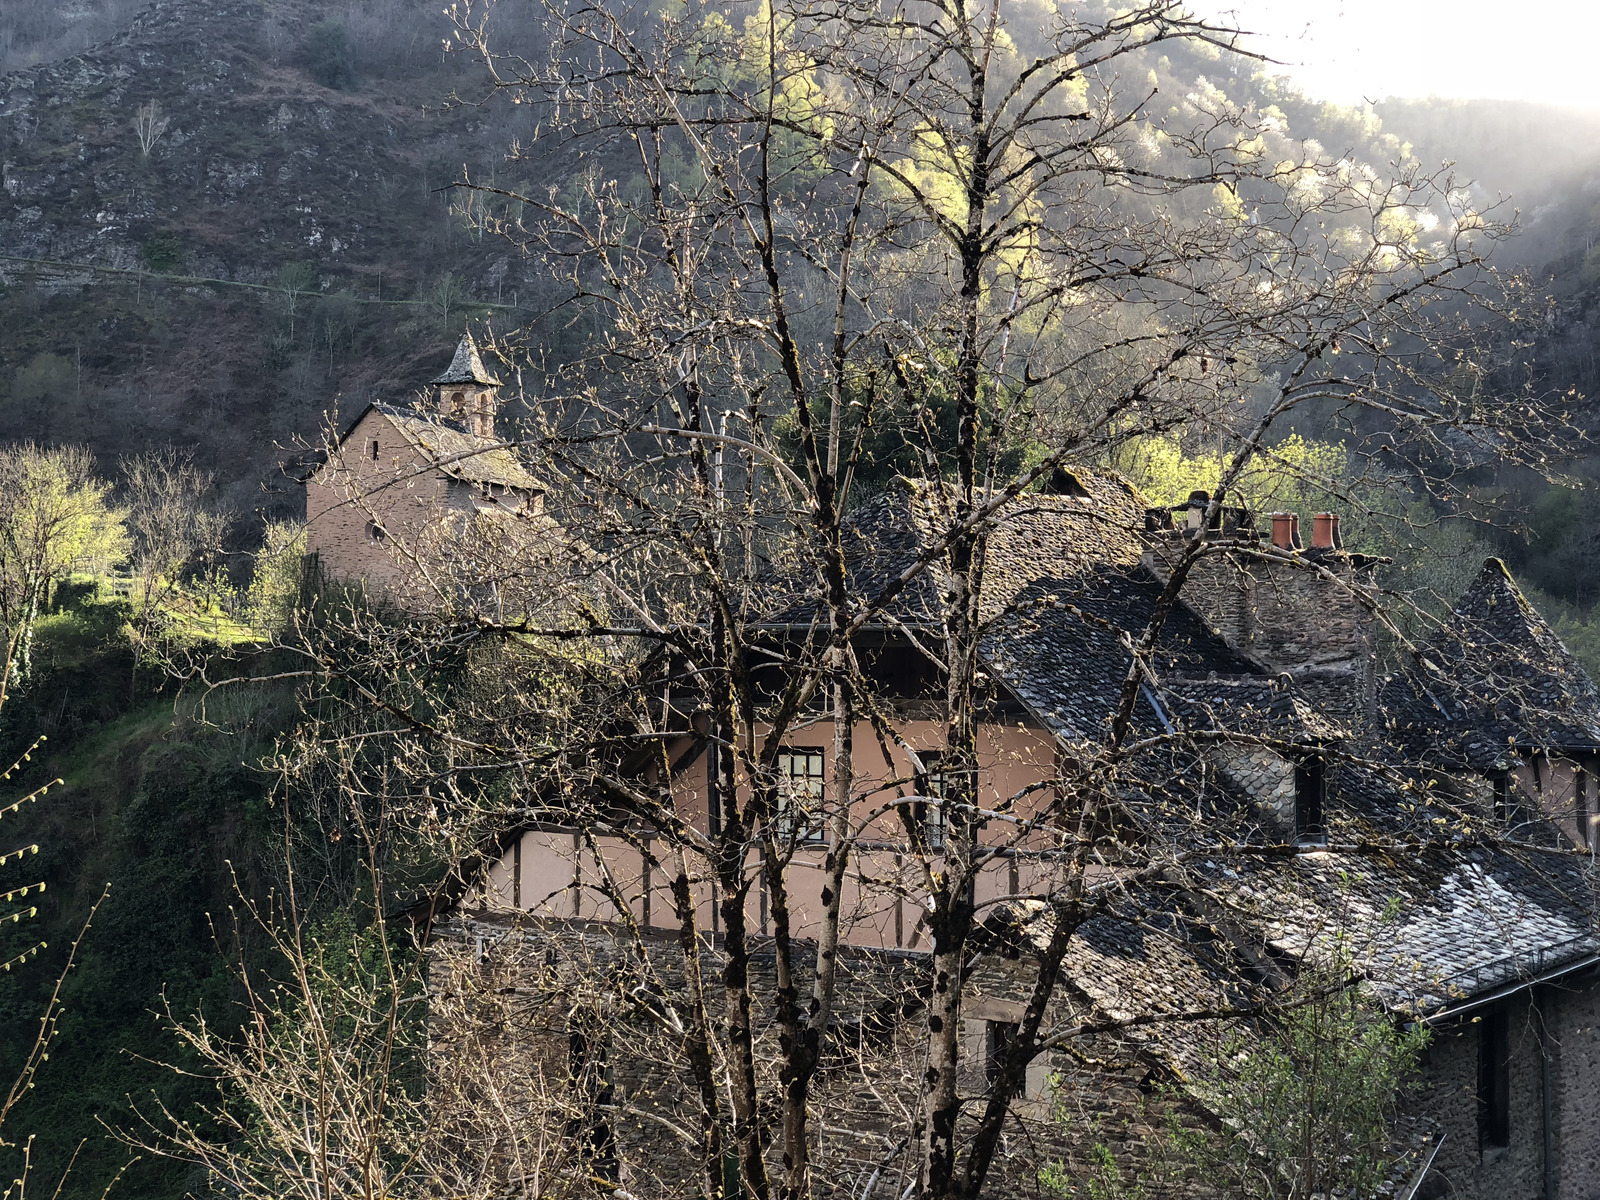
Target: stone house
point(404, 484)
point(1433, 822)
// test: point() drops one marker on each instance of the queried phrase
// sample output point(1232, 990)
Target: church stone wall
point(350, 494)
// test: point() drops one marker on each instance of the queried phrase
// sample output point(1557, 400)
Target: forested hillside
point(223, 221)
point(278, 243)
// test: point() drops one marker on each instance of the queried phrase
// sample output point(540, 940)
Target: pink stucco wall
point(556, 873)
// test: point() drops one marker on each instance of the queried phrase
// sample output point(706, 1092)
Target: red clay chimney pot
point(1283, 530)
point(1322, 531)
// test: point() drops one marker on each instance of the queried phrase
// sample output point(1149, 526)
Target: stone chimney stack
point(468, 394)
point(1292, 609)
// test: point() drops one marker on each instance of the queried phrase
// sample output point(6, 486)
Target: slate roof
point(1063, 652)
point(1062, 584)
point(1429, 927)
point(467, 366)
point(1035, 537)
point(457, 453)
point(1429, 930)
point(1496, 677)
point(1254, 705)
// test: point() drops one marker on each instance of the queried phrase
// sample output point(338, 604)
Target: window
point(1580, 803)
point(800, 795)
point(1310, 789)
point(376, 533)
point(1506, 806)
point(936, 787)
point(997, 1039)
point(372, 449)
point(931, 785)
point(1494, 1079)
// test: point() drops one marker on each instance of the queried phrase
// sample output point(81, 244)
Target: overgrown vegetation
point(1297, 1105)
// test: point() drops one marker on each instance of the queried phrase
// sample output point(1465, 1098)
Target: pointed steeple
point(468, 392)
point(467, 366)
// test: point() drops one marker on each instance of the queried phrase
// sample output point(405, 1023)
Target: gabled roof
point(1062, 585)
point(1063, 652)
point(1497, 677)
point(467, 366)
point(457, 453)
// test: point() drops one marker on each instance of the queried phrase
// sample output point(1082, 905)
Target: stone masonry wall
point(1289, 618)
point(1569, 1014)
point(866, 1094)
point(1106, 1097)
point(399, 490)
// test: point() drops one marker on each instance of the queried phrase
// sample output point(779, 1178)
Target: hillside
point(334, 264)
point(282, 245)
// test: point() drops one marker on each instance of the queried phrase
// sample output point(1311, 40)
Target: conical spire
point(466, 366)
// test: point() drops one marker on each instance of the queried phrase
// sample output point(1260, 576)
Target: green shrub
point(162, 252)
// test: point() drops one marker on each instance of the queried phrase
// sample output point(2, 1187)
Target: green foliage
point(159, 808)
point(1299, 474)
point(905, 421)
point(55, 518)
point(1577, 627)
point(1302, 1104)
point(162, 252)
point(1315, 1098)
point(330, 54)
point(276, 584)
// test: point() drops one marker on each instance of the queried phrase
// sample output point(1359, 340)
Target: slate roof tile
point(1495, 677)
point(467, 366)
point(460, 454)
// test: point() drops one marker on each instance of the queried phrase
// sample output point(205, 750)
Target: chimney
point(1286, 530)
point(1308, 624)
point(1325, 532)
point(1196, 516)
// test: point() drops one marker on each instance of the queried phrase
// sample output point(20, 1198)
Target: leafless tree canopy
point(817, 246)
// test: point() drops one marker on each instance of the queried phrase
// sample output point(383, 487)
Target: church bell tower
point(468, 394)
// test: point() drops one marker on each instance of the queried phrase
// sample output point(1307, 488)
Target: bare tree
point(149, 125)
point(175, 531)
point(937, 222)
point(344, 1081)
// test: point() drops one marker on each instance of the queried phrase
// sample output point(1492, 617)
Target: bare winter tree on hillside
point(818, 244)
point(149, 126)
point(176, 531)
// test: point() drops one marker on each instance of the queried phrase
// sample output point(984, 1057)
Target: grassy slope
point(156, 808)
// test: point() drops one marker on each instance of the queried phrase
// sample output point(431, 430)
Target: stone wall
point(399, 490)
point(1304, 619)
point(1561, 1021)
point(866, 1093)
point(1084, 1115)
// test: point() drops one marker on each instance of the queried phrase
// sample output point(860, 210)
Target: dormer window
point(1504, 805)
point(1310, 790)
